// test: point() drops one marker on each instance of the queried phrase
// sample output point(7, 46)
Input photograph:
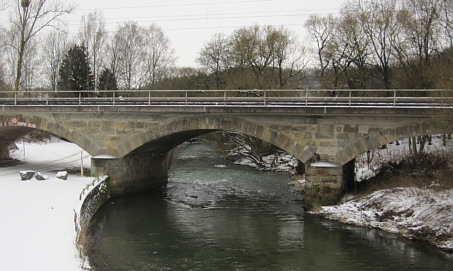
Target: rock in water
point(63, 175)
point(26, 175)
point(41, 177)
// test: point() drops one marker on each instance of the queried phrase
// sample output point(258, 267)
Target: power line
point(230, 14)
point(207, 18)
point(183, 5)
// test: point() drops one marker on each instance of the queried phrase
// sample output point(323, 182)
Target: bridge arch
point(170, 134)
point(386, 136)
point(49, 125)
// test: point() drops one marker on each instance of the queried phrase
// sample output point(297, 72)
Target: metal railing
point(430, 98)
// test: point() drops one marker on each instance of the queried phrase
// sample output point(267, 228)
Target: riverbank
point(422, 213)
point(413, 199)
point(37, 229)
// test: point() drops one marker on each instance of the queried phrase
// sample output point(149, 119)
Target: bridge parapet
point(429, 98)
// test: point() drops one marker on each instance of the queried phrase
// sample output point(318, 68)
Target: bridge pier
point(134, 173)
point(326, 183)
point(4, 153)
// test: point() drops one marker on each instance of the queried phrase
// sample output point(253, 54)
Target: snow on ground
point(280, 162)
point(422, 213)
point(394, 152)
point(37, 230)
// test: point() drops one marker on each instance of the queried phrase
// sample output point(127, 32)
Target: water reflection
point(235, 218)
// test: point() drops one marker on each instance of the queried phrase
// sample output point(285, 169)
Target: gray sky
point(189, 24)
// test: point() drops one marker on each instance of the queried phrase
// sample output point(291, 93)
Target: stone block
point(351, 128)
point(41, 177)
point(62, 175)
point(107, 128)
point(26, 175)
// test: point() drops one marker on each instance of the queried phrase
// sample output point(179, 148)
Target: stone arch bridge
point(131, 143)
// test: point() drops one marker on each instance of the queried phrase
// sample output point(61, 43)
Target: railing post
point(149, 97)
point(113, 98)
point(15, 97)
point(265, 96)
point(80, 98)
point(350, 96)
point(394, 98)
point(47, 98)
point(186, 98)
point(441, 99)
point(306, 98)
point(224, 97)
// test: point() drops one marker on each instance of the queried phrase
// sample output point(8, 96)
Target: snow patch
point(323, 165)
point(37, 229)
point(105, 156)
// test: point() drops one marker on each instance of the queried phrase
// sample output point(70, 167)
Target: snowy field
point(37, 230)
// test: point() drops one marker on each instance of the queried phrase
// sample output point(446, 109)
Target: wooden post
point(81, 163)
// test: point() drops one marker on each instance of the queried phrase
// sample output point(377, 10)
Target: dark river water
point(215, 215)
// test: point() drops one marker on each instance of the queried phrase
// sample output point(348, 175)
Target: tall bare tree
point(140, 56)
point(214, 57)
point(322, 31)
point(159, 55)
point(379, 21)
point(127, 54)
point(54, 48)
point(94, 36)
point(422, 38)
point(288, 57)
point(446, 18)
point(28, 18)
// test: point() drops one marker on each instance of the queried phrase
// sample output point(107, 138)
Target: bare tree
point(159, 55)
point(421, 38)
point(270, 55)
point(54, 49)
point(30, 17)
point(140, 56)
point(379, 21)
point(214, 57)
point(322, 30)
point(93, 35)
point(352, 46)
point(127, 55)
point(289, 58)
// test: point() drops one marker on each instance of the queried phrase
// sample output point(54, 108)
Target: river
point(215, 215)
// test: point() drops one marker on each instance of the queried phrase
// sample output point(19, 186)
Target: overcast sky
point(189, 24)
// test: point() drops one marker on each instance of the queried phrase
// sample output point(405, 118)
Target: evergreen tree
point(75, 72)
point(107, 80)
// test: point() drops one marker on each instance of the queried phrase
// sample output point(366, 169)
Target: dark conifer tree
point(107, 80)
point(75, 72)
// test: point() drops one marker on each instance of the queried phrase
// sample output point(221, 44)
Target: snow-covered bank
point(37, 230)
point(420, 213)
point(417, 207)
